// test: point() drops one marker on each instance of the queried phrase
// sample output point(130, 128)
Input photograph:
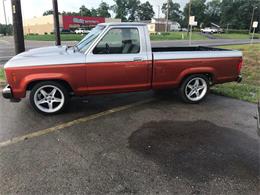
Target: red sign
point(69, 21)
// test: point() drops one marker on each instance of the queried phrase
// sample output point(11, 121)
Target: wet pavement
point(161, 147)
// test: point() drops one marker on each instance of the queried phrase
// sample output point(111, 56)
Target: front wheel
point(194, 88)
point(49, 97)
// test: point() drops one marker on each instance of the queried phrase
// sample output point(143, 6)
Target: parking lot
point(138, 143)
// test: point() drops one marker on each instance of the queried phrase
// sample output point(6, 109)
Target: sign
point(255, 24)
point(80, 21)
point(192, 21)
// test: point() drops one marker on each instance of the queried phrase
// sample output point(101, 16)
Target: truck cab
point(116, 58)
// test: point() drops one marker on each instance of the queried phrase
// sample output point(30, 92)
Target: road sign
point(255, 24)
point(192, 21)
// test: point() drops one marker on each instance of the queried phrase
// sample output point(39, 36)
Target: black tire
point(184, 86)
point(46, 85)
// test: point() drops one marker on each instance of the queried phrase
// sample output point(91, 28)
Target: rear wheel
point(194, 88)
point(49, 97)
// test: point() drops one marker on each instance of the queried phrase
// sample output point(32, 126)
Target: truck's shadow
point(198, 151)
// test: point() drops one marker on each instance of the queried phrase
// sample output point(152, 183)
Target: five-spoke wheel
point(49, 97)
point(194, 88)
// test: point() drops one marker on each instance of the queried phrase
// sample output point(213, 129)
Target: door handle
point(138, 59)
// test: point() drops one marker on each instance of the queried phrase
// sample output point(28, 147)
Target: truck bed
point(190, 48)
point(194, 52)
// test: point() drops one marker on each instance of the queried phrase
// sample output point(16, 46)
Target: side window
point(119, 41)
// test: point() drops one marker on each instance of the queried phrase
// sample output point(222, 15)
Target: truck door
point(119, 62)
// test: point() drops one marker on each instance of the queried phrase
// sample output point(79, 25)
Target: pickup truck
point(209, 30)
point(116, 58)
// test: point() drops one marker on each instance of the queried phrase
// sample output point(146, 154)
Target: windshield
point(84, 44)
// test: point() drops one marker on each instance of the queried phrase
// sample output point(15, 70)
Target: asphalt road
point(160, 147)
point(7, 45)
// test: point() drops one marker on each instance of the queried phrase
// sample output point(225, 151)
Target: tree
point(197, 9)
point(94, 12)
point(175, 13)
point(238, 13)
point(145, 11)
point(70, 13)
point(103, 10)
point(48, 12)
point(133, 7)
point(84, 11)
point(212, 12)
point(6, 29)
point(120, 9)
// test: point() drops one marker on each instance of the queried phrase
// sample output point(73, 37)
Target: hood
point(49, 51)
point(46, 56)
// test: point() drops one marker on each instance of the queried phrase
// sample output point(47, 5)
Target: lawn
point(154, 37)
point(177, 36)
point(64, 37)
point(2, 77)
point(235, 36)
point(75, 37)
point(249, 89)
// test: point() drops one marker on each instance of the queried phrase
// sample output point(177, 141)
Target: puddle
point(198, 151)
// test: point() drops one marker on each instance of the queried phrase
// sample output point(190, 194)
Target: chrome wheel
point(49, 99)
point(196, 89)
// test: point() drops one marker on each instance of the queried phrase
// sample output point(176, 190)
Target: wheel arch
point(209, 75)
point(31, 84)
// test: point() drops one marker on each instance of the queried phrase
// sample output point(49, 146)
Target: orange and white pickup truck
point(116, 58)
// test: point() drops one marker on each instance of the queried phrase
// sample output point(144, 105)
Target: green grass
point(75, 37)
point(2, 75)
point(64, 37)
point(249, 89)
point(177, 36)
point(235, 36)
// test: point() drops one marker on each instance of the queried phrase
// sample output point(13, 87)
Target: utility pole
point(18, 26)
point(159, 9)
point(56, 22)
point(251, 23)
point(167, 16)
point(189, 17)
point(4, 12)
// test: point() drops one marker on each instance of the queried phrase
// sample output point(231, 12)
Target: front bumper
point(239, 79)
point(8, 94)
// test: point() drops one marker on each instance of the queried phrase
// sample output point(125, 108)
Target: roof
point(124, 24)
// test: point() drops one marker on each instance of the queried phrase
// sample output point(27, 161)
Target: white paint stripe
point(71, 123)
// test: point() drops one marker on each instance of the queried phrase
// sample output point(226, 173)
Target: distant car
point(81, 31)
point(209, 30)
point(66, 31)
point(184, 30)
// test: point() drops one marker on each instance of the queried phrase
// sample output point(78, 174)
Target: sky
point(34, 8)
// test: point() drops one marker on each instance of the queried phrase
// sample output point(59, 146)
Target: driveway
point(137, 143)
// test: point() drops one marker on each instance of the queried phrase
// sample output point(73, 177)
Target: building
point(159, 25)
point(45, 24)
